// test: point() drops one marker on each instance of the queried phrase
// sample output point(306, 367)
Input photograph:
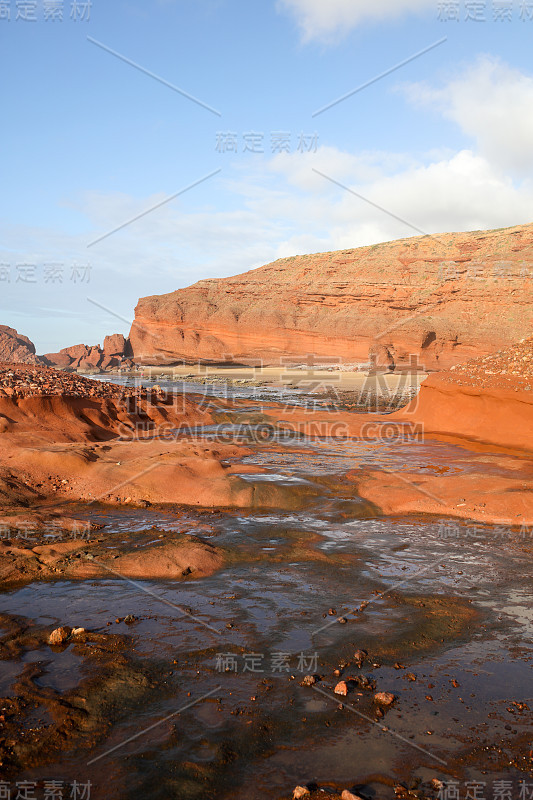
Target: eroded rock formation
point(114, 354)
point(443, 298)
point(15, 347)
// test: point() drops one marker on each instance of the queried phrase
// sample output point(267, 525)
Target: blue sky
point(89, 141)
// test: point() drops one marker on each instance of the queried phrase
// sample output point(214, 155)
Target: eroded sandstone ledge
point(443, 298)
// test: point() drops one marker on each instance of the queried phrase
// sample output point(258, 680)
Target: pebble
point(59, 635)
point(363, 681)
point(309, 680)
point(300, 791)
point(359, 657)
point(78, 631)
point(384, 698)
point(346, 795)
point(341, 688)
point(27, 380)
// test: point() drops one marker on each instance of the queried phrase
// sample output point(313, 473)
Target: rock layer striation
point(442, 299)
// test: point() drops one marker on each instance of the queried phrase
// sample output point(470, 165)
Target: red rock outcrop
point(68, 356)
point(71, 438)
point(15, 347)
point(489, 400)
point(114, 345)
point(113, 354)
point(443, 298)
point(485, 406)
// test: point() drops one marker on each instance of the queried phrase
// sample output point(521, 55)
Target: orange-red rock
point(489, 399)
point(15, 347)
point(384, 698)
point(114, 345)
point(443, 298)
point(60, 360)
point(59, 635)
point(113, 354)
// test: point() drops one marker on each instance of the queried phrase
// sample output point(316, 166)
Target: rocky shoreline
point(75, 450)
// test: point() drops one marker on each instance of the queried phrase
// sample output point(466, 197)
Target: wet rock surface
point(217, 679)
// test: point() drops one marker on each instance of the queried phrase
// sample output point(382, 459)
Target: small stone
point(129, 618)
point(78, 631)
point(300, 791)
point(359, 657)
point(341, 688)
point(411, 676)
point(309, 680)
point(332, 612)
point(436, 784)
point(342, 621)
point(363, 682)
point(384, 698)
point(346, 795)
point(60, 635)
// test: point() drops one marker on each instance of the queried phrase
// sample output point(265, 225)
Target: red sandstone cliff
point(15, 347)
point(444, 298)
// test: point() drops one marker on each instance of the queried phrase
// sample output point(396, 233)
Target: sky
point(149, 144)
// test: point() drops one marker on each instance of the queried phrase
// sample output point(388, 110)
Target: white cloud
point(324, 19)
point(493, 104)
point(282, 206)
point(285, 208)
point(458, 193)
